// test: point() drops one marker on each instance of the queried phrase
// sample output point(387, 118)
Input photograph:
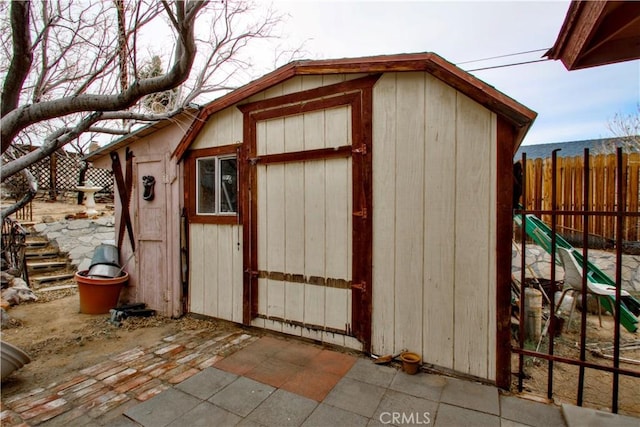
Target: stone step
point(33, 244)
point(38, 280)
point(46, 266)
point(52, 253)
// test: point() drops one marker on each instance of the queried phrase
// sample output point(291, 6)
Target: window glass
point(228, 185)
point(206, 181)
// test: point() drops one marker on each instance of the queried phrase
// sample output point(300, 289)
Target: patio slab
point(471, 395)
point(302, 384)
point(207, 383)
point(163, 409)
point(449, 415)
point(282, 409)
point(242, 396)
point(577, 416)
point(529, 412)
point(356, 396)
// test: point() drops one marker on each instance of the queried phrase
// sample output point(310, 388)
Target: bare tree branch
point(26, 197)
point(21, 117)
point(64, 86)
point(21, 59)
point(57, 140)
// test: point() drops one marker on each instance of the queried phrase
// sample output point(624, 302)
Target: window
point(211, 185)
point(217, 185)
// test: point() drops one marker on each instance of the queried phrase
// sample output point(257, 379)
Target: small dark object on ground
point(118, 314)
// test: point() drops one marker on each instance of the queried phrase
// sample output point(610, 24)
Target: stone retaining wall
point(79, 237)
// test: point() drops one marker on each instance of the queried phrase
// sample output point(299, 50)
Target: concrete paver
point(327, 415)
point(467, 394)
point(427, 386)
point(529, 412)
point(207, 383)
point(282, 409)
point(206, 415)
point(163, 409)
point(242, 396)
point(400, 406)
point(587, 417)
point(356, 396)
point(449, 415)
point(195, 378)
point(367, 372)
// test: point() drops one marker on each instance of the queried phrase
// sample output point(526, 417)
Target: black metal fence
point(574, 356)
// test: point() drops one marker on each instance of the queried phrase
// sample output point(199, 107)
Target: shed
point(362, 202)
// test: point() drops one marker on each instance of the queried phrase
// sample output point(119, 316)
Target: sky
point(571, 106)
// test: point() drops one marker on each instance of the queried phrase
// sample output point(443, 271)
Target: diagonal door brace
point(124, 191)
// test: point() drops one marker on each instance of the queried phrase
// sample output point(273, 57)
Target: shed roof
point(138, 134)
point(598, 33)
point(515, 113)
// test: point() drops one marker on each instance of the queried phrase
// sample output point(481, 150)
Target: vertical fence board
point(633, 193)
point(570, 188)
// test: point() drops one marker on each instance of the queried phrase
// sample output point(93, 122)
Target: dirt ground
point(60, 340)
point(56, 211)
point(598, 385)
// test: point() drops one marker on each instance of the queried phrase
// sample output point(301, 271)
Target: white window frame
point(217, 184)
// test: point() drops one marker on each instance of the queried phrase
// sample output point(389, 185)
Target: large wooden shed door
point(306, 215)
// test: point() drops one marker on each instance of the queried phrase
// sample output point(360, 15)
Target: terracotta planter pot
point(99, 295)
point(410, 362)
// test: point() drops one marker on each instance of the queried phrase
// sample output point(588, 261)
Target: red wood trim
point(362, 237)
point(305, 107)
point(248, 179)
point(312, 326)
point(238, 95)
point(506, 147)
point(576, 31)
point(253, 211)
point(303, 156)
point(306, 95)
point(481, 92)
point(213, 151)
point(363, 226)
point(190, 186)
point(213, 219)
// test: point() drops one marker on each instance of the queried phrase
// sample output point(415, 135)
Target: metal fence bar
point(583, 291)
point(582, 215)
point(620, 184)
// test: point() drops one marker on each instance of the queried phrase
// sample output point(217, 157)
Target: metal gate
point(552, 348)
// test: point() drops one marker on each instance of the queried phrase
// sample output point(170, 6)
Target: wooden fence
point(569, 191)
point(58, 174)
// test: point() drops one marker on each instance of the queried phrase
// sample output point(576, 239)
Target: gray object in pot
point(106, 254)
point(104, 270)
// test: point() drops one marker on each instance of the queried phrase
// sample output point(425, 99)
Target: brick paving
point(123, 380)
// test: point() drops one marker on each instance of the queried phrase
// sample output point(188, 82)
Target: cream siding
point(434, 224)
point(434, 160)
point(304, 220)
point(215, 276)
point(289, 249)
